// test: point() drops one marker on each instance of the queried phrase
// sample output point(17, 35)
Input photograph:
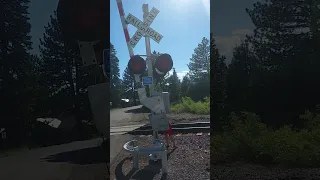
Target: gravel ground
point(190, 161)
point(240, 170)
point(187, 118)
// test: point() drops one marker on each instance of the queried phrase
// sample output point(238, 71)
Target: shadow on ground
point(94, 155)
point(142, 109)
point(147, 173)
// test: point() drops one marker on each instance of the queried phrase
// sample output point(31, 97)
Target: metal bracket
point(155, 103)
point(159, 122)
point(87, 53)
point(137, 77)
point(99, 102)
point(158, 150)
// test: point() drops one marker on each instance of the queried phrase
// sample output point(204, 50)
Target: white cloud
point(179, 74)
point(225, 44)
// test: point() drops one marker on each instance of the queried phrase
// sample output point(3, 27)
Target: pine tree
point(174, 87)
point(115, 85)
point(60, 63)
point(129, 85)
point(185, 86)
point(200, 61)
point(279, 25)
point(127, 80)
point(199, 69)
point(218, 84)
point(15, 67)
point(241, 69)
point(286, 45)
point(63, 73)
point(219, 72)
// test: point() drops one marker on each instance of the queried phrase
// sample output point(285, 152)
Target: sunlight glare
point(182, 5)
point(206, 4)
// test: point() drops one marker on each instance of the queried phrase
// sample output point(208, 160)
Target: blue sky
point(183, 24)
point(40, 12)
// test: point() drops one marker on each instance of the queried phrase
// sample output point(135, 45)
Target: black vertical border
point(107, 46)
point(214, 114)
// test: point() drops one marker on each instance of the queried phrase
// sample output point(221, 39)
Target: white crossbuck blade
point(131, 19)
point(144, 27)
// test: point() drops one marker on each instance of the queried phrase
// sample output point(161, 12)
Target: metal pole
point(145, 10)
point(164, 162)
point(125, 27)
point(135, 160)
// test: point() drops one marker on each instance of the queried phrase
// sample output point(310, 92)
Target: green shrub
point(311, 120)
point(189, 106)
point(241, 138)
point(246, 138)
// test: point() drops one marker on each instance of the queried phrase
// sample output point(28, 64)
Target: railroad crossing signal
point(131, 19)
point(147, 80)
point(163, 64)
point(137, 65)
point(143, 27)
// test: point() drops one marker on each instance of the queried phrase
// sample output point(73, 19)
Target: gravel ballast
point(174, 118)
point(187, 118)
point(190, 161)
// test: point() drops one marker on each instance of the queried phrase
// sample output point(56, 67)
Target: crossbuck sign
point(143, 27)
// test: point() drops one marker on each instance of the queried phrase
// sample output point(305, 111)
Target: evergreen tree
point(127, 80)
point(185, 86)
point(286, 45)
point(63, 73)
point(292, 22)
point(218, 85)
point(39, 93)
point(271, 70)
point(219, 72)
point(174, 87)
point(15, 68)
point(242, 69)
point(199, 69)
point(154, 52)
point(129, 85)
point(115, 85)
point(200, 61)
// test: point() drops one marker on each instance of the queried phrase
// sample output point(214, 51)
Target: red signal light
point(83, 20)
point(137, 65)
point(163, 64)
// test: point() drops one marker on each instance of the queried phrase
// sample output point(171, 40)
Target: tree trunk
point(71, 63)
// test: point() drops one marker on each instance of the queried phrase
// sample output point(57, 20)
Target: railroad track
point(181, 128)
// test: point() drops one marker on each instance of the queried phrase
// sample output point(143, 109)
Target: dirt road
point(127, 116)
